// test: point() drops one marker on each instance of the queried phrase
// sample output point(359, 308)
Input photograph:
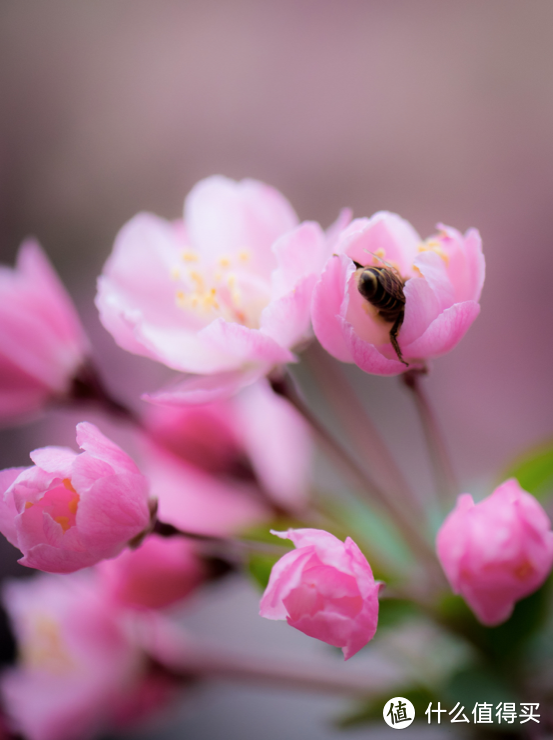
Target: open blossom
point(81, 666)
point(42, 343)
point(444, 277)
point(224, 294)
point(325, 588)
point(69, 510)
point(223, 466)
point(497, 551)
point(158, 573)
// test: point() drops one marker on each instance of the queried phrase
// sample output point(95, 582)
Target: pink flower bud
point(325, 588)
point(160, 572)
point(42, 342)
point(224, 295)
point(497, 551)
point(443, 278)
point(69, 510)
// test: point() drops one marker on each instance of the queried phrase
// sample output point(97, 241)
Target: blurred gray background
point(440, 111)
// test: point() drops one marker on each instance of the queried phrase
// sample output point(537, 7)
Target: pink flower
point(220, 467)
point(71, 510)
point(42, 343)
point(497, 551)
point(325, 589)
point(160, 572)
point(444, 277)
point(77, 663)
point(225, 294)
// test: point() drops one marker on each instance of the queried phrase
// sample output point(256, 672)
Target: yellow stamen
point(73, 504)
point(67, 483)
point(224, 262)
point(175, 273)
point(244, 255)
point(28, 505)
point(64, 521)
point(198, 279)
point(434, 245)
point(188, 256)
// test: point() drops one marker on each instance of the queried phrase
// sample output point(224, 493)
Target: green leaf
point(392, 612)
point(534, 470)
point(260, 566)
point(501, 645)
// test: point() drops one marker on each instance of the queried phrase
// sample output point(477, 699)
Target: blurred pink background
point(437, 111)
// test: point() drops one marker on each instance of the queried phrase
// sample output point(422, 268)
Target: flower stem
point(284, 386)
point(446, 481)
point(362, 433)
point(227, 543)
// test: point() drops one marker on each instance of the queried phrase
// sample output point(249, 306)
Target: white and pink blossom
point(224, 295)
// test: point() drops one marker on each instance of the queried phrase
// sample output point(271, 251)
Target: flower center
point(44, 648)
point(224, 288)
point(434, 245)
point(60, 503)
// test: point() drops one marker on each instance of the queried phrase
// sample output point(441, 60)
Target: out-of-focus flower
point(325, 588)
point(224, 294)
point(160, 572)
point(444, 277)
point(497, 551)
point(223, 466)
point(77, 663)
point(42, 343)
point(71, 510)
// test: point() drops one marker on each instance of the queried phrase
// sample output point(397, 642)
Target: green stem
point(446, 481)
point(284, 386)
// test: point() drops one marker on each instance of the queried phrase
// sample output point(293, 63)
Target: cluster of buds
point(227, 296)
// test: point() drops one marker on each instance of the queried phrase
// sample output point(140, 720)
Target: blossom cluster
point(227, 296)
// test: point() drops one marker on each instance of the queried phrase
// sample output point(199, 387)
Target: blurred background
point(437, 111)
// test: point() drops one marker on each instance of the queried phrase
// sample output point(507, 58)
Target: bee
point(382, 287)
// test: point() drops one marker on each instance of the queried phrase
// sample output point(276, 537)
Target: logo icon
point(398, 713)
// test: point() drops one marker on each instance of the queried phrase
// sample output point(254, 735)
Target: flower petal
point(328, 298)
point(223, 216)
point(444, 332)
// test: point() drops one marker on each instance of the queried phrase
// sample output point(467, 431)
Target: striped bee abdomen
point(382, 287)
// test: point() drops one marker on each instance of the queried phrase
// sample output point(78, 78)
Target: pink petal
point(243, 345)
point(299, 253)
point(223, 216)
point(277, 442)
point(444, 333)
point(113, 511)
point(467, 267)
point(328, 297)
point(91, 440)
point(8, 510)
point(201, 389)
point(287, 320)
point(285, 575)
point(195, 501)
point(56, 460)
point(367, 356)
point(383, 231)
